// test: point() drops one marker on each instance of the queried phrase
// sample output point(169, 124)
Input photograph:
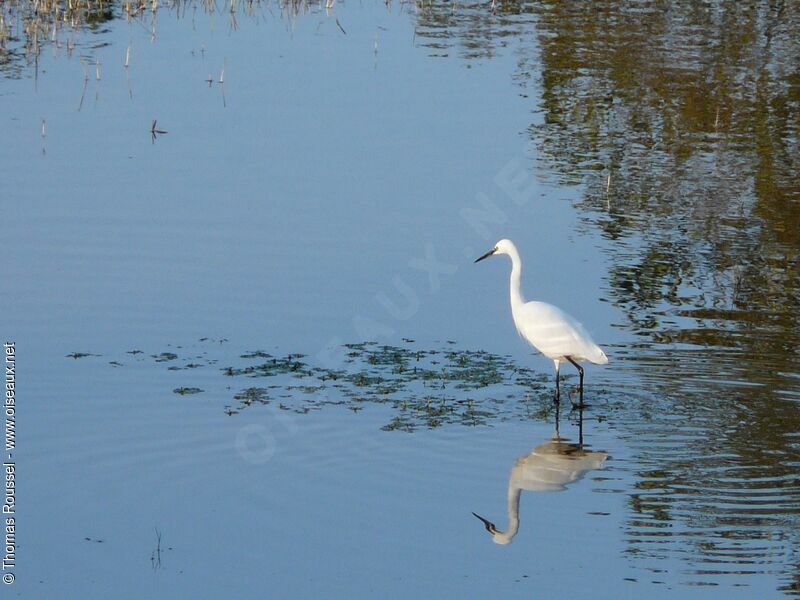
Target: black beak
point(486, 523)
point(487, 255)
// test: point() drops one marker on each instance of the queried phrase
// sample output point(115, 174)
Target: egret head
point(498, 537)
point(504, 246)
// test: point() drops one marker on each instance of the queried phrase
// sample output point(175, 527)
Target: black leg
point(580, 372)
point(557, 398)
point(558, 419)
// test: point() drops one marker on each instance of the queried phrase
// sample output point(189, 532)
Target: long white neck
point(516, 275)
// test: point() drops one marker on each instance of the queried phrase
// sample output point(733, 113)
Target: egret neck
point(517, 301)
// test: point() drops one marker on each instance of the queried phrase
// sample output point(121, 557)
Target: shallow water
point(294, 374)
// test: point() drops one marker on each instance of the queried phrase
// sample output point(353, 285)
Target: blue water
point(327, 193)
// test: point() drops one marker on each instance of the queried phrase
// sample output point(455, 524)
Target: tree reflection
point(680, 120)
point(693, 111)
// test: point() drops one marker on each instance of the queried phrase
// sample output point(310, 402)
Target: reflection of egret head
point(499, 537)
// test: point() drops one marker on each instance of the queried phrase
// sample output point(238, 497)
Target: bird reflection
point(550, 467)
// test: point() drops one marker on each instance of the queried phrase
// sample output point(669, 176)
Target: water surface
point(324, 194)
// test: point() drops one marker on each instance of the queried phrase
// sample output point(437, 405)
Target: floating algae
point(426, 388)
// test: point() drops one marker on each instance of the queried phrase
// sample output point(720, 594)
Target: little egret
point(546, 327)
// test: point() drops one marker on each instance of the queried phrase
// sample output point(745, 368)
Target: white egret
point(546, 327)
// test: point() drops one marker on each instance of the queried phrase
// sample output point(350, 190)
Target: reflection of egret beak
point(486, 523)
point(487, 255)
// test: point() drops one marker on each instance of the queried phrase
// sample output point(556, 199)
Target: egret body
point(546, 327)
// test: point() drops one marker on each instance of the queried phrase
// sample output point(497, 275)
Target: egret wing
point(554, 333)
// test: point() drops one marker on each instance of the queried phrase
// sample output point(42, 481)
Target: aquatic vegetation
point(426, 388)
point(248, 397)
point(273, 366)
point(252, 394)
point(29, 26)
point(184, 391)
point(77, 355)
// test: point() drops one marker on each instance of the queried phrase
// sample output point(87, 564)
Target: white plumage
point(554, 333)
point(546, 327)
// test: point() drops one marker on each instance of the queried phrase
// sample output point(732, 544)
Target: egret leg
point(557, 398)
point(558, 419)
point(580, 372)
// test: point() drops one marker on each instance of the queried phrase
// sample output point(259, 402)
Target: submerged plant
point(426, 388)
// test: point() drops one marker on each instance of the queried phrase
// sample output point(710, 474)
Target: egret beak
point(487, 255)
point(487, 523)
